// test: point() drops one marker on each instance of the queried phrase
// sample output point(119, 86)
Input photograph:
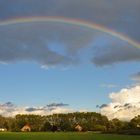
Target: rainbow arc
point(69, 21)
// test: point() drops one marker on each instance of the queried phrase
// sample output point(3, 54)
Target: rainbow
point(75, 22)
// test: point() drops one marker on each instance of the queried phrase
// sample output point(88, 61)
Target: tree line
point(89, 121)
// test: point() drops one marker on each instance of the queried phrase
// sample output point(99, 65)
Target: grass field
point(65, 136)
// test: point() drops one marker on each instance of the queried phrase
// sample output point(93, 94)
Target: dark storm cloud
point(46, 44)
point(24, 53)
point(34, 42)
point(118, 14)
point(115, 54)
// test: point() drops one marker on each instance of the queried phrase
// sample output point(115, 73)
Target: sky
point(59, 56)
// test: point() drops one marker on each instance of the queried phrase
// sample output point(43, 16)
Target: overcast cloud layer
point(35, 42)
point(125, 104)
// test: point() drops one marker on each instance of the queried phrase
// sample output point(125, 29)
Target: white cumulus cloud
point(125, 104)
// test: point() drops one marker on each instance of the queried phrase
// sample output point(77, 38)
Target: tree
point(54, 128)
point(47, 126)
point(135, 122)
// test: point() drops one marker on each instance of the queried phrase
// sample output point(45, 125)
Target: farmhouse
point(78, 128)
point(3, 129)
point(26, 128)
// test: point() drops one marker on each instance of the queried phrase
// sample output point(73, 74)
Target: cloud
point(32, 109)
point(37, 42)
point(125, 104)
point(54, 106)
point(48, 44)
point(7, 104)
point(108, 85)
point(9, 109)
point(57, 105)
point(101, 106)
point(136, 76)
point(117, 14)
point(115, 53)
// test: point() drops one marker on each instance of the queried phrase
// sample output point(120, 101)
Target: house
point(26, 128)
point(3, 129)
point(138, 125)
point(78, 128)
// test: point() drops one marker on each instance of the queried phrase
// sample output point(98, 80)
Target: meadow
point(64, 136)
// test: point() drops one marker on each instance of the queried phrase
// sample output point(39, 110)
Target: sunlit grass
point(65, 136)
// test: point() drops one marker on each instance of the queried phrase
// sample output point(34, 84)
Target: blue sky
point(45, 63)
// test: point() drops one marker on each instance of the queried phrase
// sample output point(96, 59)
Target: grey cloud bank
point(57, 44)
point(35, 42)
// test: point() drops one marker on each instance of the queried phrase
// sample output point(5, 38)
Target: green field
point(65, 136)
